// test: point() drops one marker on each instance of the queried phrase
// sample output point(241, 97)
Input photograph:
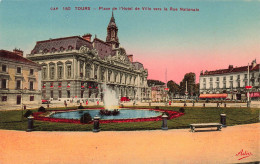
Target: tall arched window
point(88, 70)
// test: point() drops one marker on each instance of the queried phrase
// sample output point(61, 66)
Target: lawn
point(235, 116)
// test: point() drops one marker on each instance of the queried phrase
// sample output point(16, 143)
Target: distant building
point(19, 79)
point(158, 93)
point(230, 83)
point(78, 67)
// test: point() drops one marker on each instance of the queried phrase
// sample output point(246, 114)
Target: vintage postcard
point(129, 81)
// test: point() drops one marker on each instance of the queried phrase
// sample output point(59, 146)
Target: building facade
point(79, 67)
point(158, 93)
point(19, 79)
point(231, 83)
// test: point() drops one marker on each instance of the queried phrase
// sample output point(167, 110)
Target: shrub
point(85, 118)
point(41, 109)
point(27, 113)
point(80, 107)
point(182, 110)
point(157, 107)
point(115, 112)
point(109, 112)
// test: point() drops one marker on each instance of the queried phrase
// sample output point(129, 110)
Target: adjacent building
point(79, 67)
point(19, 79)
point(231, 83)
point(159, 93)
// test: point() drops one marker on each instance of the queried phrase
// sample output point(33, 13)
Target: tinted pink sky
point(179, 62)
point(222, 33)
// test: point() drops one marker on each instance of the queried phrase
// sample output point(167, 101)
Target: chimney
point(87, 37)
point(130, 57)
point(253, 63)
point(230, 67)
point(18, 52)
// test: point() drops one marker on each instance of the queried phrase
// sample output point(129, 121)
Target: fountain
point(110, 102)
point(110, 113)
point(110, 98)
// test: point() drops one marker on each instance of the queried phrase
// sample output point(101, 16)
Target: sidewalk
point(172, 146)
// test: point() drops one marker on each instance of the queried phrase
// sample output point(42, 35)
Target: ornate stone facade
point(76, 67)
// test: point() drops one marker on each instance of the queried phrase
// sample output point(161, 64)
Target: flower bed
point(171, 114)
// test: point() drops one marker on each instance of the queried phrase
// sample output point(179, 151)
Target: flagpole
point(248, 83)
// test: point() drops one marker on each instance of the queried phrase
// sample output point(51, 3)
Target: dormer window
point(62, 49)
point(45, 51)
point(53, 50)
point(70, 48)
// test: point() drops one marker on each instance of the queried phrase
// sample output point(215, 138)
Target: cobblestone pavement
point(236, 144)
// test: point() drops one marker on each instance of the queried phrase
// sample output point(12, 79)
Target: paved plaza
point(158, 146)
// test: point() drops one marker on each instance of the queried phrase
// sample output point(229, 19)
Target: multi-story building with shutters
point(19, 80)
point(79, 67)
point(231, 83)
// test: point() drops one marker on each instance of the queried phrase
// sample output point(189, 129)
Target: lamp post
point(22, 91)
point(21, 104)
point(248, 82)
point(186, 92)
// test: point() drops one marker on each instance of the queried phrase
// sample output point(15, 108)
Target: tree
point(174, 88)
point(190, 78)
point(154, 82)
point(197, 89)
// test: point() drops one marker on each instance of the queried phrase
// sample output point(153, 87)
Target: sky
point(220, 34)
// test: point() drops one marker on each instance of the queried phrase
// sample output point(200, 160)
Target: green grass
point(235, 116)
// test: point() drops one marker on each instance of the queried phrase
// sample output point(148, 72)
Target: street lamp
point(22, 91)
point(186, 92)
point(248, 82)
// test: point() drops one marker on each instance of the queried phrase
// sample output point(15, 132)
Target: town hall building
point(79, 67)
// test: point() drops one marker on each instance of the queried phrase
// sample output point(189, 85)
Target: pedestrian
point(218, 104)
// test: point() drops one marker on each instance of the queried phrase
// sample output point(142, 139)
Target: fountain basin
point(126, 115)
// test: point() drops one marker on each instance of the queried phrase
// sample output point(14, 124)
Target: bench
point(205, 125)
